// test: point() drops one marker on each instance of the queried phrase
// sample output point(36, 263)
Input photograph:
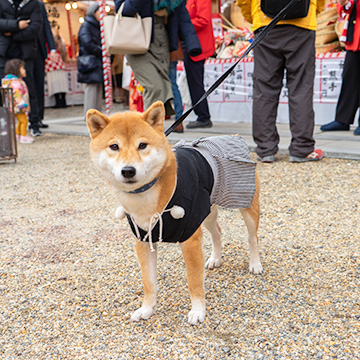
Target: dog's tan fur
point(118, 143)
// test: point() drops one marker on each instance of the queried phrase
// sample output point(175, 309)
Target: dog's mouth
point(129, 181)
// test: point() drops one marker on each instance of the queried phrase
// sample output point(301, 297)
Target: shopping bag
point(126, 75)
point(183, 87)
point(127, 35)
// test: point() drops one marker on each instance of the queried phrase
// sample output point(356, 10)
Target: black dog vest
point(195, 181)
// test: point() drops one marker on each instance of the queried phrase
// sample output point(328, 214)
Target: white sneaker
point(26, 139)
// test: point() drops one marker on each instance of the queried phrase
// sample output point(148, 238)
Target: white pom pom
point(119, 213)
point(177, 212)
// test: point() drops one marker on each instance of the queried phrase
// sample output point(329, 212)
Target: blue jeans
point(177, 96)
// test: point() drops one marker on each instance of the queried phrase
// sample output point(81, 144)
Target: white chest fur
point(141, 206)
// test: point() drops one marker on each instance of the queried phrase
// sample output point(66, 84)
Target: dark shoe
point(42, 125)
point(179, 129)
point(269, 159)
point(36, 132)
point(199, 124)
point(169, 111)
point(316, 155)
point(357, 131)
point(335, 126)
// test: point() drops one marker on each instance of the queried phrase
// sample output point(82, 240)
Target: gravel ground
point(70, 278)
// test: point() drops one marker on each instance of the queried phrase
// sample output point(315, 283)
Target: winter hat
point(92, 9)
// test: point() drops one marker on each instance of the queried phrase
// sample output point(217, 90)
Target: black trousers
point(195, 79)
point(39, 78)
point(292, 49)
point(30, 82)
point(349, 98)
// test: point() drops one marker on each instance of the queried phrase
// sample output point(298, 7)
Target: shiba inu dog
point(166, 194)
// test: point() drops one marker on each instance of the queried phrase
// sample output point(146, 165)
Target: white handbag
point(127, 35)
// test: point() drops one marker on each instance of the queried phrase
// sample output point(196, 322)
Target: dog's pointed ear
point(155, 115)
point(96, 122)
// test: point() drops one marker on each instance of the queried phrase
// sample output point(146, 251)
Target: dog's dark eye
point(114, 147)
point(142, 146)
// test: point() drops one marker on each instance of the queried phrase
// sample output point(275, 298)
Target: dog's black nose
point(128, 172)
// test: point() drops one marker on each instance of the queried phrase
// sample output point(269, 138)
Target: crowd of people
point(182, 30)
point(26, 44)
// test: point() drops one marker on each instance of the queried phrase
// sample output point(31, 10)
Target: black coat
point(90, 44)
point(45, 35)
point(180, 27)
point(21, 43)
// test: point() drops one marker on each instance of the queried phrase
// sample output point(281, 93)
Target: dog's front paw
point(196, 316)
point(256, 268)
point(213, 263)
point(143, 313)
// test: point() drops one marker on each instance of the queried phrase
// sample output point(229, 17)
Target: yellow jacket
point(252, 13)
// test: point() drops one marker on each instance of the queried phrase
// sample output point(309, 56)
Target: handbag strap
point(119, 14)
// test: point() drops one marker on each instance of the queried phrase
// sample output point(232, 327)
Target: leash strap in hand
point(258, 38)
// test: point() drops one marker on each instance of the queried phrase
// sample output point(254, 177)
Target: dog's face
point(129, 148)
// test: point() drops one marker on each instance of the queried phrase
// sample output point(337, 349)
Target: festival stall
point(65, 19)
point(66, 23)
point(232, 101)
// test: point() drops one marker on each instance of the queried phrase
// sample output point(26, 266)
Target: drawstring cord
point(177, 212)
point(157, 217)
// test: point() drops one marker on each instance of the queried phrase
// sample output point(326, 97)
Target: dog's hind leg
point(251, 217)
point(148, 263)
point(194, 261)
point(212, 225)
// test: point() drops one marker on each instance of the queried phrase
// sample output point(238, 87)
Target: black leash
point(261, 35)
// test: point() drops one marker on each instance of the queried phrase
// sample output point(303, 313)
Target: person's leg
point(267, 84)
point(29, 80)
point(151, 70)
point(90, 97)
point(39, 77)
point(2, 66)
point(348, 102)
point(195, 78)
point(23, 122)
point(300, 67)
point(63, 100)
point(177, 96)
point(57, 101)
point(117, 79)
point(18, 126)
point(99, 97)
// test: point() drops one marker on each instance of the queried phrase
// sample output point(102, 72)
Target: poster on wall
point(237, 87)
point(235, 95)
